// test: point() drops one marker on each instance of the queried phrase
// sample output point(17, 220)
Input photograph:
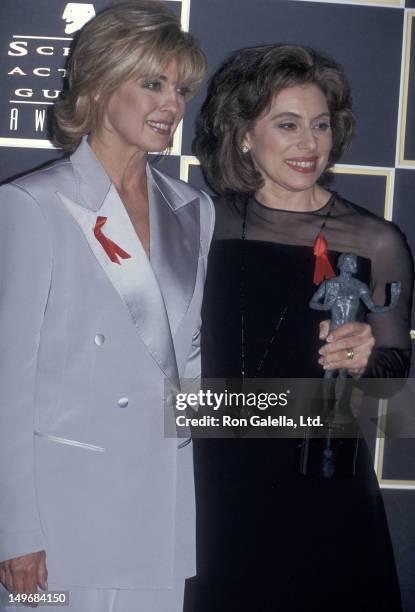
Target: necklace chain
point(243, 296)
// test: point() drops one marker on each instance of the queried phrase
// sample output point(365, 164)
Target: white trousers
point(110, 600)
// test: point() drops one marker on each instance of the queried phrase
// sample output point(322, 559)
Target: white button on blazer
point(102, 490)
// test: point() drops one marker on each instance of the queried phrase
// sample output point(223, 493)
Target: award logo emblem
point(76, 15)
point(34, 70)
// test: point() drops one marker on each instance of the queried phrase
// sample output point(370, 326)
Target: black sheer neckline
point(271, 210)
point(347, 229)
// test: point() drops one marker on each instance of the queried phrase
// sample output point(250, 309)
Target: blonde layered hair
point(134, 38)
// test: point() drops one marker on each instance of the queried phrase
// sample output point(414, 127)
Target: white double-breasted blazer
point(86, 472)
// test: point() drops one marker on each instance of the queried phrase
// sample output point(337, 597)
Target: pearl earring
point(245, 149)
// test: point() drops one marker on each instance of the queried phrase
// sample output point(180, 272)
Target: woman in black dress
point(275, 118)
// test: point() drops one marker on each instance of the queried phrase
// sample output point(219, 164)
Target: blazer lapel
point(134, 279)
point(174, 242)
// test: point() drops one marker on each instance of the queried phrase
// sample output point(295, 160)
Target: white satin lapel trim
point(174, 248)
point(134, 279)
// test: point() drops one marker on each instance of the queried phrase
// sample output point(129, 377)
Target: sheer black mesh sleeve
point(391, 261)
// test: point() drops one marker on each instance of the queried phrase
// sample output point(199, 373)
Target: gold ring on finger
point(350, 353)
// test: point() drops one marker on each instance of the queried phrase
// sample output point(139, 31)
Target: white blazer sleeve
point(25, 277)
point(207, 223)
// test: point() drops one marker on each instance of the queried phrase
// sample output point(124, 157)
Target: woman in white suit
point(102, 265)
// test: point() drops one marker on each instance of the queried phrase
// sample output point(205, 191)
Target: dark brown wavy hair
point(242, 89)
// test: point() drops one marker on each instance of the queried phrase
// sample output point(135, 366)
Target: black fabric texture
point(269, 538)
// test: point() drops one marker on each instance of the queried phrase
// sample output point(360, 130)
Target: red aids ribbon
point(323, 267)
point(111, 249)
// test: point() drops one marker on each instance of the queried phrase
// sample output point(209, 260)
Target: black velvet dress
point(270, 539)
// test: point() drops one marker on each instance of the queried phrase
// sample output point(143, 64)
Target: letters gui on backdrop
point(33, 68)
point(32, 63)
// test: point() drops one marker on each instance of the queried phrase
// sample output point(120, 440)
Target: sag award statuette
point(333, 455)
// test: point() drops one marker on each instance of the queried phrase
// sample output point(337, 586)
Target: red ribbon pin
point(111, 249)
point(323, 267)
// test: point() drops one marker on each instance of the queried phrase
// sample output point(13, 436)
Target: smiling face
point(143, 113)
point(291, 143)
